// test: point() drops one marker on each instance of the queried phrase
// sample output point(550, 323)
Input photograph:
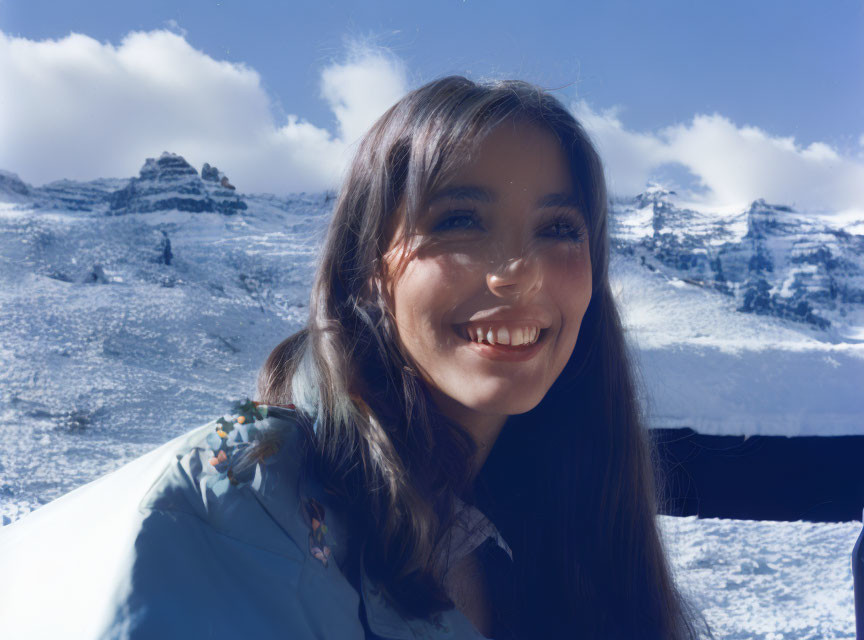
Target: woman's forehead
point(530, 157)
point(437, 172)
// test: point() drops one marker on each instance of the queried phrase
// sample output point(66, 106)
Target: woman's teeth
point(513, 336)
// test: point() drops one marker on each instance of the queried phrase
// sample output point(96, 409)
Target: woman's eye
point(458, 220)
point(562, 229)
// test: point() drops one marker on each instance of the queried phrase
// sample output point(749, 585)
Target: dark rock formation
point(96, 275)
point(172, 183)
point(165, 249)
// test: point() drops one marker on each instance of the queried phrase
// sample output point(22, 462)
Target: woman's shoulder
point(239, 474)
point(199, 538)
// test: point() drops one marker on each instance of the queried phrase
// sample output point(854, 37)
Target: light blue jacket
point(178, 544)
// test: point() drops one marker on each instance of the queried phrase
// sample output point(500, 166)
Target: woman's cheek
point(460, 263)
point(574, 259)
point(431, 288)
point(567, 279)
point(448, 279)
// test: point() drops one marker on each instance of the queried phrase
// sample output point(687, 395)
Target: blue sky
point(789, 69)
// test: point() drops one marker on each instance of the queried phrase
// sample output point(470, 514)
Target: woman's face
point(488, 296)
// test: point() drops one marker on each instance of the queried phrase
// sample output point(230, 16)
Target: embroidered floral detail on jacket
point(232, 435)
point(317, 536)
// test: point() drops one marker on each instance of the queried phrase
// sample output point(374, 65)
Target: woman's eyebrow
point(463, 192)
point(558, 200)
point(480, 194)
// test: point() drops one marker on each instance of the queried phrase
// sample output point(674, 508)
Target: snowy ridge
point(164, 184)
point(771, 260)
point(742, 323)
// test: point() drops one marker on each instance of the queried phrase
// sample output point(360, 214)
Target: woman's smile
point(517, 334)
point(507, 345)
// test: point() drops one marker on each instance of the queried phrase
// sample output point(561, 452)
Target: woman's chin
point(507, 403)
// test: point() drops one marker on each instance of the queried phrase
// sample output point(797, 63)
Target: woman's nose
point(518, 277)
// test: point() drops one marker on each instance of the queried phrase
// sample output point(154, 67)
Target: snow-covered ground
point(119, 332)
point(706, 366)
point(106, 352)
point(766, 580)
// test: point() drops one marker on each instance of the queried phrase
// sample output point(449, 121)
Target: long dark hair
point(580, 510)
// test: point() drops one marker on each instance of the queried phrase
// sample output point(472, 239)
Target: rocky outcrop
point(221, 190)
point(171, 183)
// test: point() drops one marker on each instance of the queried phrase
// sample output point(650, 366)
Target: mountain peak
point(170, 182)
point(761, 206)
point(654, 193)
point(765, 219)
point(169, 166)
point(214, 175)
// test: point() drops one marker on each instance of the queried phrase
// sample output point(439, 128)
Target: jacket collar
point(285, 492)
point(470, 530)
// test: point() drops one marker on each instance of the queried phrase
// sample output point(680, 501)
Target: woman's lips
point(505, 352)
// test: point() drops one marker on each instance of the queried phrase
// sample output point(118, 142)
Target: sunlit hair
point(569, 484)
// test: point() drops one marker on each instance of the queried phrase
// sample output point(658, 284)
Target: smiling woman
point(451, 448)
point(465, 363)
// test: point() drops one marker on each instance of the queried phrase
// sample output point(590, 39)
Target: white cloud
point(79, 109)
point(733, 165)
point(357, 89)
point(630, 158)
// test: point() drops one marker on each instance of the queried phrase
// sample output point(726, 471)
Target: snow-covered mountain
point(769, 259)
point(134, 309)
point(747, 322)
